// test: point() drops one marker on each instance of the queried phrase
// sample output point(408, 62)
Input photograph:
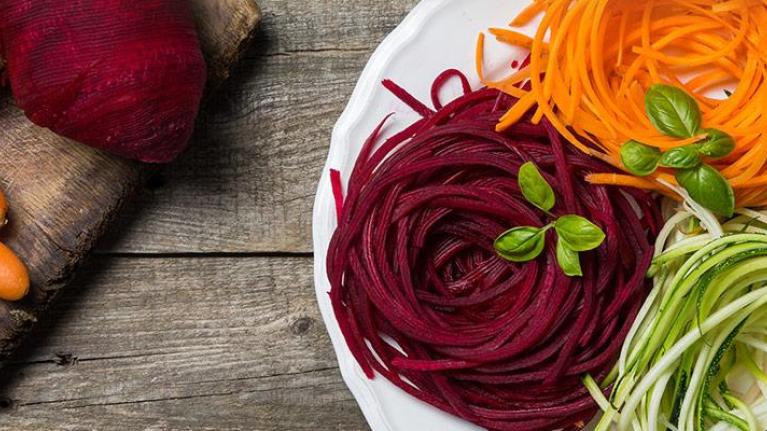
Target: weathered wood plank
point(308, 402)
point(248, 182)
point(189, 343)
point(63, 194)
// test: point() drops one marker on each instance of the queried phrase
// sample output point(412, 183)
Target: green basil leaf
point(639, 159)
point(717, 144)
point(521, 244)
point(568, 260)
point(681, 157)
point(578, 233)
point(672, 111)
point(709, 188)
point(534, 187)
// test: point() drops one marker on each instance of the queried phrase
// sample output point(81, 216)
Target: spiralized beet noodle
point(412, 264)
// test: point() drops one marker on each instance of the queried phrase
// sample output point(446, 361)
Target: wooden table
point(198, 310)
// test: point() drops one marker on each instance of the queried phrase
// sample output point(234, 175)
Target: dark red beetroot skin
point(122, 75)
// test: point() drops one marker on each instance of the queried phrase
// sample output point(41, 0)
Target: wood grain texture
point(182, 343)
point(248, 182)
point(63, 195)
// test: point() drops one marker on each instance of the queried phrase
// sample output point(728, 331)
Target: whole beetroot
point(126, 76)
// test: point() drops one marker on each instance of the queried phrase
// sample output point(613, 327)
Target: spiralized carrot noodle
point(591, 62)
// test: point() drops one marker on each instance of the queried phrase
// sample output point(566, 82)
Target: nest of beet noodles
point(421, 296)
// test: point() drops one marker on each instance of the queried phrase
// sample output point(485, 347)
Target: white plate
point(436, 35)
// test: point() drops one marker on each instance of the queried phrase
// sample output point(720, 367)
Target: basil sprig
point(672, 111)
point(675, 113)
point(521, 244)
point(574, 233)
point(640, 159)
point(578, 233)
point(680, 158)
point(717, 144)
point(709, 188)
point(535, 188)
point(568, 260)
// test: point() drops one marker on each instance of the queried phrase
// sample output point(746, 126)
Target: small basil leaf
point(568, 260)
point(709, 188)
point(672, 111)
point(578, 233)
point(639, 159)
point(680, 158)
point(521, 244)
point(534, 187)
point(717, 144)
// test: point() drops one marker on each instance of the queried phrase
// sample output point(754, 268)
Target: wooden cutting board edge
point(227, 28)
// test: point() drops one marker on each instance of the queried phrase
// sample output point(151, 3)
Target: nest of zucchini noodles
point(695, 355)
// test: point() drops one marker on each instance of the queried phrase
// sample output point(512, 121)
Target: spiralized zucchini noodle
point(694, 356)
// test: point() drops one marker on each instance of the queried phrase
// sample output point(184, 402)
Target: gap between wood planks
point(333, 369)
point(316, 51)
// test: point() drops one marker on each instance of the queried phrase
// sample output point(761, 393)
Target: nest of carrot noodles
point(592, 62)
point(423, 299)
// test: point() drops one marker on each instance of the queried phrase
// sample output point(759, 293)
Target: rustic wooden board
point(232, 343)
point(63, 195)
